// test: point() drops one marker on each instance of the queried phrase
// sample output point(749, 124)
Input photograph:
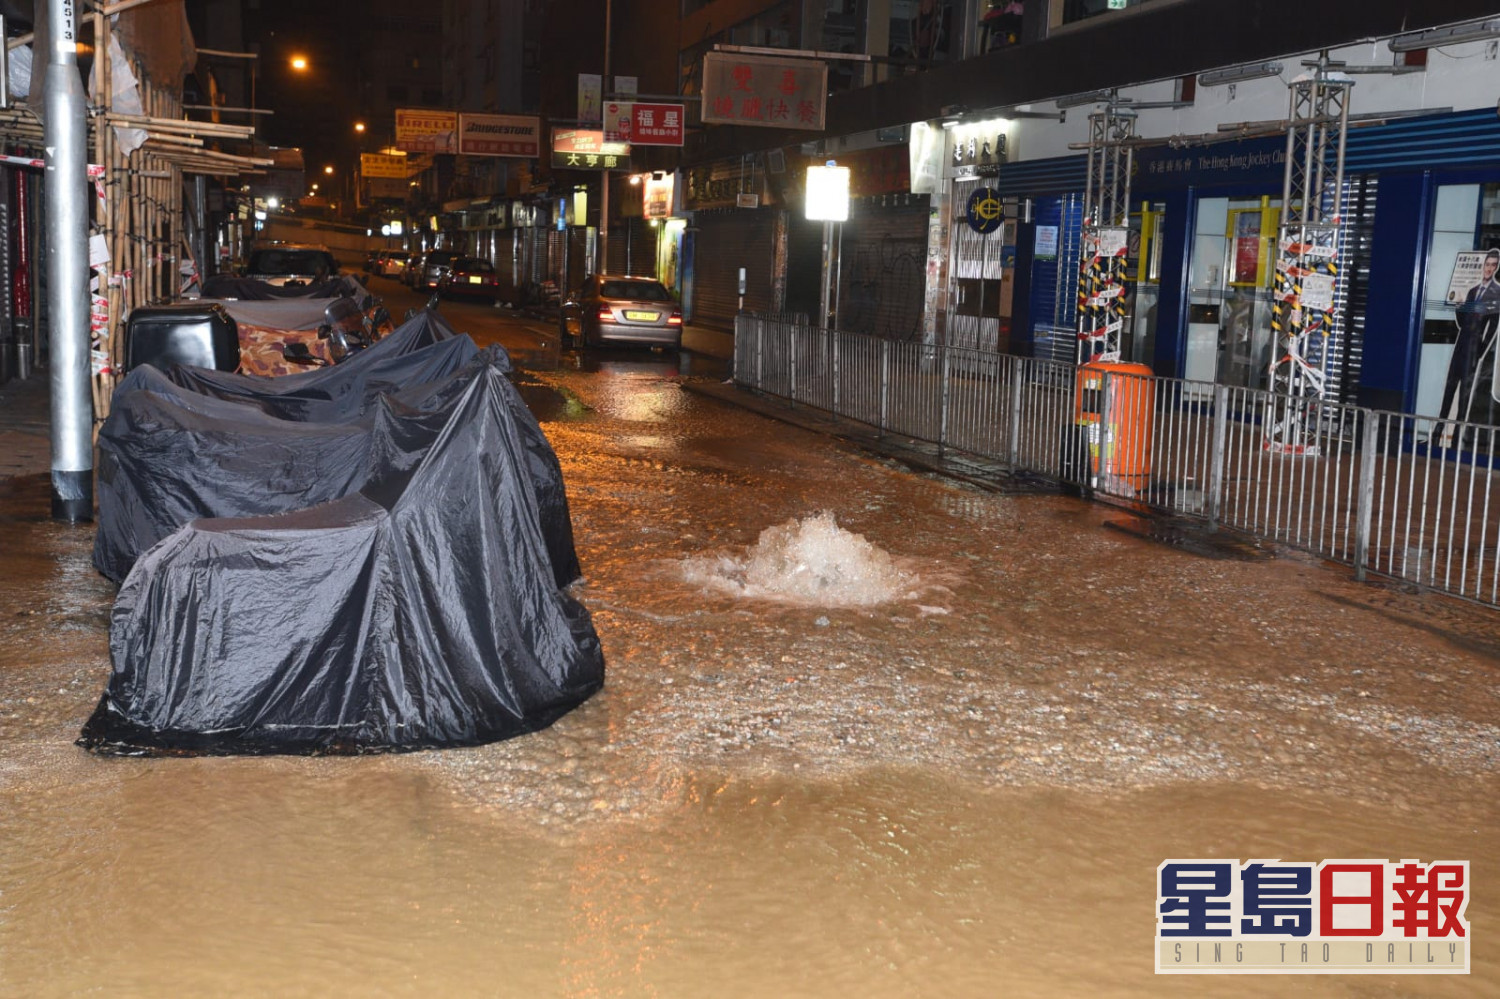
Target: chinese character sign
point(382, 165)
point(1299, 917)
point(499, 135)
point(656, 124)
point(583, 149)
point(426, 131)
point(764, 90)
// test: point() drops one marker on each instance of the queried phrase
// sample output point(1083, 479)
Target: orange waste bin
point(1120, 455)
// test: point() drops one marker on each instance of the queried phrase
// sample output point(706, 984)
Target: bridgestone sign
point(499, 135)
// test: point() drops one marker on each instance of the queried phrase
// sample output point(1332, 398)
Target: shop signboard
point(764, 90)
point(1245, 161)
point(382, 165)
point(984, 212)
point(585, 149)
point(656, 124)
point(656, 198)
point(419, 131)
point(499, 135)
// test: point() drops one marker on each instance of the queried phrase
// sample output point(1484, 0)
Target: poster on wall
point(1246, 248)
point(1470, 387)
point(1046, 242)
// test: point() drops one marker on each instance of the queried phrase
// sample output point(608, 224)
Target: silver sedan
point(620, 308)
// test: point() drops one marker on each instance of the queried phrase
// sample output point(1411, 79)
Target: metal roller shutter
point(631, 242)
point(507, 250)
point(726, 241)
point(1353, 295)
point(882, 274)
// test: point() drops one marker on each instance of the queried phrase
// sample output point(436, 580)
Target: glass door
point(1229, 295)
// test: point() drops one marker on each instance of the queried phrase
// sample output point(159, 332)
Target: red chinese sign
point(656, 124)
point(763, 90)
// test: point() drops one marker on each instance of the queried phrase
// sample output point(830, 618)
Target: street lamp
point(299, 63)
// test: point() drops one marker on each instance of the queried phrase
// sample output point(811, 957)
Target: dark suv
point(291, 265)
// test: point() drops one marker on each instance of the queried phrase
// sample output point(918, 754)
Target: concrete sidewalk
point(25, 425)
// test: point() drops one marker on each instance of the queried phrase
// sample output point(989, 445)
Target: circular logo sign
point(984, 211)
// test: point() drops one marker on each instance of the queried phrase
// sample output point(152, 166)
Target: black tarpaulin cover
point(168, 455)
point(418, 612)
point(229, 286)
point(341, 391)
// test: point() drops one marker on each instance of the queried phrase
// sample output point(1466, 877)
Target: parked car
point(620, 308)
point(393, 264)
point(434, 265)
point(470, 277)
point(291, 264)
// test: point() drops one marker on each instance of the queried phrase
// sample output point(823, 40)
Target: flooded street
point(863, 732)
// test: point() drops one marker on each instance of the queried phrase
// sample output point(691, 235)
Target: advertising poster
point(419, 131)
point(1246, 248)
point(1470, 393)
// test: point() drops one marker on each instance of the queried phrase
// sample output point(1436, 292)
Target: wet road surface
point(962, 789)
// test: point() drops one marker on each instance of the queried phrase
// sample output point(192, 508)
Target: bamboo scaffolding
point(157, 124)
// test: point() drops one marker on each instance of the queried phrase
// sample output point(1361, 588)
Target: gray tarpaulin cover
point(421, 610)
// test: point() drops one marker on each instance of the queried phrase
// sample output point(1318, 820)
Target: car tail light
point(605, 312)
point(675, 319)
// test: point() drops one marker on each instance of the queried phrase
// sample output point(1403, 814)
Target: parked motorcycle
point(348, 330)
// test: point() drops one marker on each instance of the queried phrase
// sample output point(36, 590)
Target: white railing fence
point(1358, 486)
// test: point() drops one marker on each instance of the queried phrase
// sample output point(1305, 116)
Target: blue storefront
point(1421, 195)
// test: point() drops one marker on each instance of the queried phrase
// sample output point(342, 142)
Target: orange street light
point(328, 170)
point(359, 126)
point(299, 63)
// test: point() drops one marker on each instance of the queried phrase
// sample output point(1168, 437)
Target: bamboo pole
point(161, 123)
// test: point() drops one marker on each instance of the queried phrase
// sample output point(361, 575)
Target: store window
point(1229, 291)
point(1143, 282)
point(1457, 371)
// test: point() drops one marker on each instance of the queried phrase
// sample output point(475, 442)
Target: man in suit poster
point(1477, 316)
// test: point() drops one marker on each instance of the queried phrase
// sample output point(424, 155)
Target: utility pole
point(602, 263)
point(66, 182)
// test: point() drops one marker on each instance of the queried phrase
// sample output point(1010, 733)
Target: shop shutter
point(632, 242)
point(726, 241)
point(507, 250)
point(804, 265)
point(882, 275)
point(1353, 293)
point(1054, 281)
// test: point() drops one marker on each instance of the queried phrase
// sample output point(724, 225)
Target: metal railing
point(1382, 492)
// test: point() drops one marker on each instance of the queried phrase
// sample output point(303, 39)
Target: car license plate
point(642, 317)
point(473, 279)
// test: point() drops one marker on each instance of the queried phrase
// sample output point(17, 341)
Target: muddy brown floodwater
point(961, 789)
